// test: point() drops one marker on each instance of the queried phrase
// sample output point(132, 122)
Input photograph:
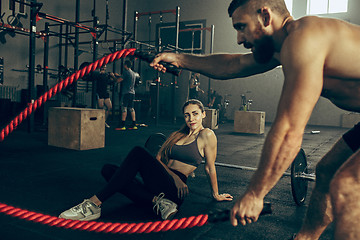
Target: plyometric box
point(76, 128)
point(211, 119)
point(249, 122)
point(348, 120)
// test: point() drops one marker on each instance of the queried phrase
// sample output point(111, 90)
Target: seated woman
point(164, 177)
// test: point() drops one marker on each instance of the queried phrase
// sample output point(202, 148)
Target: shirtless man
point(319, 57)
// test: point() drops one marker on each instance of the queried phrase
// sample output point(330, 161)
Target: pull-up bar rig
point(96, 31)
point(173, 11)
point(65, 21)
point(20, 30)
point(36, 15)
point(212, 32)
point(176, 12)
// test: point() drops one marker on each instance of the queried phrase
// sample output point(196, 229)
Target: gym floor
point(49, 180)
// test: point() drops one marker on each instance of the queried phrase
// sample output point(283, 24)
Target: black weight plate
point(154, 143)
point(299, 185)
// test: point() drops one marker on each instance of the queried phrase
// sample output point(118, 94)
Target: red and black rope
point(148, 227)
point(107, 227)
point(89, 225)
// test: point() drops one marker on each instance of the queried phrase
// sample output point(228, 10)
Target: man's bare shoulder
point(331, 44)
point(312, 33)
point(320, 25)
point(302, 25)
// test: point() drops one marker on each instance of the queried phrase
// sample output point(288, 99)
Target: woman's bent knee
point(140, 151)
point(108, 170)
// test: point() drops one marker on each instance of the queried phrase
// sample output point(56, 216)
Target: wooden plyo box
point(348, 120)
point(76, 128)
point(211, 119)
point(249, 122)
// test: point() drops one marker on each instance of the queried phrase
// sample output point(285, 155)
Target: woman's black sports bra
point(188, 153)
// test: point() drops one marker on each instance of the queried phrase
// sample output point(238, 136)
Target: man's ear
point(265, 15)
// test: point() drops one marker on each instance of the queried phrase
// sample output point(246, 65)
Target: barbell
point(299, 176)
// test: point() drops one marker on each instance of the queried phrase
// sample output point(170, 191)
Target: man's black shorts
point(103, 95)
point(128, 100)
point(352, 137)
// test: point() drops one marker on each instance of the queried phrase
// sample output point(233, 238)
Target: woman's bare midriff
point(184, 168)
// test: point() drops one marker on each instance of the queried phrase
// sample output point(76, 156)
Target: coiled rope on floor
point(106, 227)
point(58, 87)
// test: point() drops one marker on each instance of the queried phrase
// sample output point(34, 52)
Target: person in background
point(128, 81)
point(194, 86)
point(103, 79)
point(215, 100)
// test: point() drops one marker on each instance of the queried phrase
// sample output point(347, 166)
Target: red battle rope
point(58, 87)
point(108, 227)
point(89, 225)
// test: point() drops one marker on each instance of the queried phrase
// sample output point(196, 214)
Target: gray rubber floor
point(48, 180)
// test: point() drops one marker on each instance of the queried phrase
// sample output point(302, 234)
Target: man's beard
point(264, 50)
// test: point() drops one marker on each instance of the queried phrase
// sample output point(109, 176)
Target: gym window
point(289, 5)
point(327, 6)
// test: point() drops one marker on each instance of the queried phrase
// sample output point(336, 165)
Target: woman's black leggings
point(155, 179)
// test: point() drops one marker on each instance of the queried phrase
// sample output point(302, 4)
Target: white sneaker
point(85, 211)
point(166, 207)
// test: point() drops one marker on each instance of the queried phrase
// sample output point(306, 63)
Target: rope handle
point(224, 215)
point(149, 57)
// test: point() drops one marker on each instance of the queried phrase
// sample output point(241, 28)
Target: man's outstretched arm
point(218, 66)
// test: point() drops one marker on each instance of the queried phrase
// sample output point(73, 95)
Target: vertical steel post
point(124, 28)
point(115, 85)
point(95, 56)
point(174, 78)
point(45, 70)
point(60, 49)
point(66, 54)
point(136, 18)
point(76, 50)
point(158, 79)
point(32, 49)
point(211, 51)
point(106, 18)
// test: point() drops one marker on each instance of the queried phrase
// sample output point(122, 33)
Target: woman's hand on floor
point(223, 197)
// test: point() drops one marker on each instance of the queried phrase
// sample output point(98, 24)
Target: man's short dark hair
point(278, 6)
point(234, 5)
point(128, 63)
